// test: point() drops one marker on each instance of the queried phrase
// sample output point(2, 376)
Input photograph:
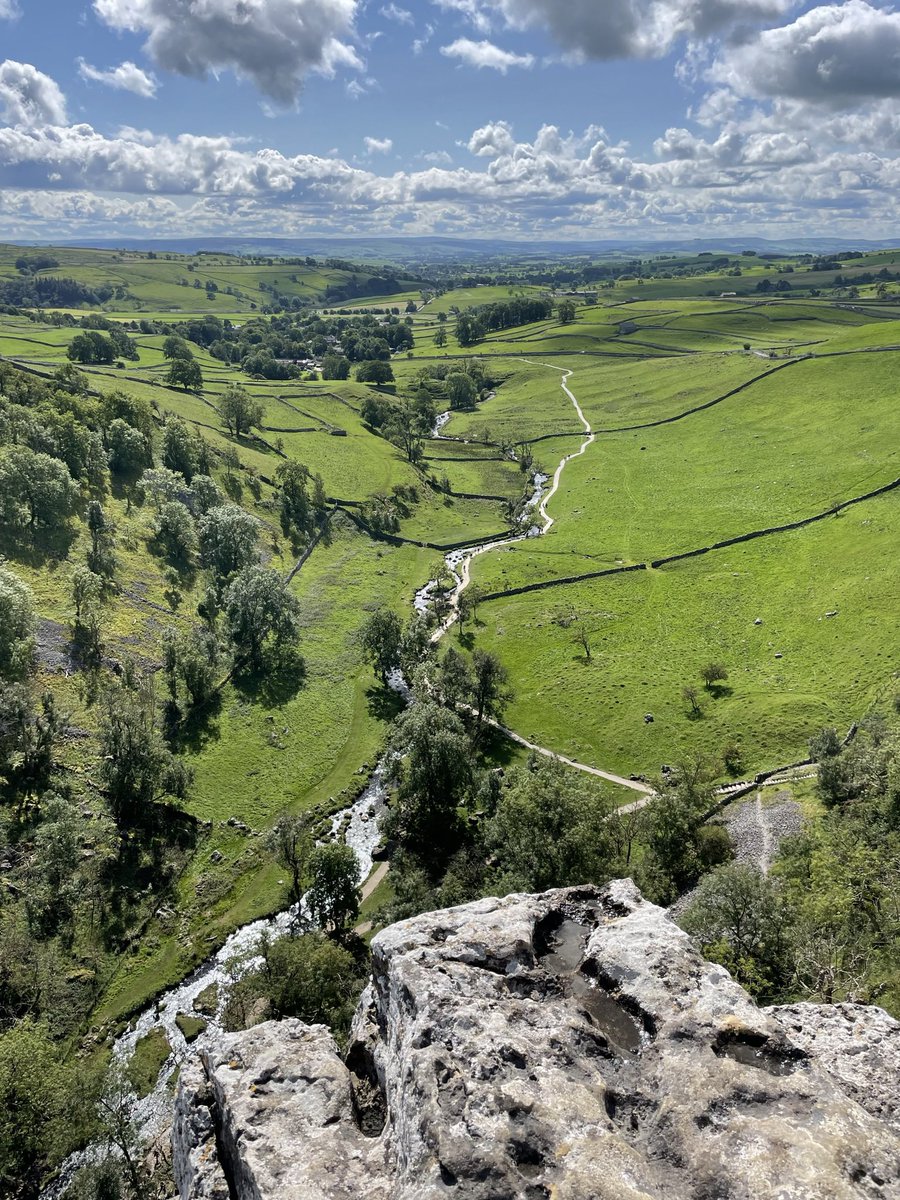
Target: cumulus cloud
point(29, 97)
point(606, 29)
point(125, 77)
point(486, 54)
point(831, 55)
point(273, 43)
point(781, 164)
point(8, 10)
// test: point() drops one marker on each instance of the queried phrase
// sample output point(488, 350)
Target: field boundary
point(687, 554)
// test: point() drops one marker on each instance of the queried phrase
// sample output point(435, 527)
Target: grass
point(191, 1027)
point(651, 632)
point(150, 1055)
point(791, 445)
point(787, 446)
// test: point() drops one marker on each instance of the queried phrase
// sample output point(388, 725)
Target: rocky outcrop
point(573, 1045)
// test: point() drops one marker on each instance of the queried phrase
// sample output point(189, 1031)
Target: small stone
point(648, 718)
point(779, 655)
point(758, 621)
point(216, 856)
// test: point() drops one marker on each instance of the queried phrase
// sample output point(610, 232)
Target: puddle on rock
point(618, 1026)
point(756, 1051)
point(565, 946)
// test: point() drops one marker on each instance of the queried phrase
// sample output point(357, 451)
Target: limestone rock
point(573, 1045)
point(270, 1108)
point(857, 1044)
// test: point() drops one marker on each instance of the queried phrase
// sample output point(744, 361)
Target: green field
point(787, 444)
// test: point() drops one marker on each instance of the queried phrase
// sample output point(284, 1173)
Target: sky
point(557, 119)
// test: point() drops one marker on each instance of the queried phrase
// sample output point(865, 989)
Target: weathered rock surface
point(857, 1044)
point(573, 1045)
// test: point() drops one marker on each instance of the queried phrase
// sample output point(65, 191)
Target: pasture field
point(791, 445)
point(166, 283)
point(651, 632)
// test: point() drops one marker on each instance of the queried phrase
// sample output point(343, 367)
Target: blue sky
point(552, 118)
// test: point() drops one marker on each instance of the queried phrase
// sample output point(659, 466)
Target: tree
point(240, 411)
point(127, 448)
point(291, 843)
point(490, 695)
point(261, 614)
point(433, 775)
point(375, 371)
point(136, 767)
point(205, 494)
point(175, 533)
point(333, 898)
point(87, 588)
point(228, 538)
point(101, 558)
point(43, 1108)
point(91, 348)
point(454, 681)
point(468, 329)
point(461, 390)
point(35, 489)
point(566, 312)
point(335, 366)
point(550, 830)
point(713, 673)
point(179, 448)
point(313, 978)
point(294, 503)
point(176, 347)
point(673, 820)
point(185, 373)
point(28, 739)
point(381, 637)
point(739, 917)
point(193, 659)
point(53, 888)
point(70, 380)
point(406, 426)
point(440, 337)
point(689, 693)
point(17, 621)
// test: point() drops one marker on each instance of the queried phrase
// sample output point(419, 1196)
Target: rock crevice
point(572, 1045)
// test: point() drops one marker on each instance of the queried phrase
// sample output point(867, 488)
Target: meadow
point(803, 419)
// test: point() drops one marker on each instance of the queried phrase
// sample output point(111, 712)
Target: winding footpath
point(460, 563)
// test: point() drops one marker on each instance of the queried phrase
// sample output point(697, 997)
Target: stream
point(357, 825)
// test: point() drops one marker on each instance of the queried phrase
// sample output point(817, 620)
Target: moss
point(150, 1054)
point(191, 1027)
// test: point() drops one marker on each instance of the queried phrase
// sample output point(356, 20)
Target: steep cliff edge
point(571, 1045)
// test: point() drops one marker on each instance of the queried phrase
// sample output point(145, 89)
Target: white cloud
point(472, 10)
point(8, 10)
point(394, 13)
point(28, 97)
point(605, 29)
point(486, 54)
point(273, 43)
point(780, 165)
point(126, 77)
point(831, 55)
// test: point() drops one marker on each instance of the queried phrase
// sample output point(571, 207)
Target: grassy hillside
point(802, 419)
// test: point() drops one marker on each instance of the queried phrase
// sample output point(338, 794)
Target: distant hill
point(442, 249)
